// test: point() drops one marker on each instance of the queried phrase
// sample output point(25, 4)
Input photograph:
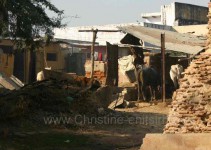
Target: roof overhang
point(174, 41)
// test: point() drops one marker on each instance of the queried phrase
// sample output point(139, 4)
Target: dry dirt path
point(126, 130)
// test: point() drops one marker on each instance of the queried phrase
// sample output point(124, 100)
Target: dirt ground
point(123, 128)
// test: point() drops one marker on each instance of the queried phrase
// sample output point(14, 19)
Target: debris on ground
point(61, 93)
point(123, 98)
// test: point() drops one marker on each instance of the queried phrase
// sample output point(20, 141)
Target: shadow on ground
point(121, 130)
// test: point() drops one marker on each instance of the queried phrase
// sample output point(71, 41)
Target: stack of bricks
point(191, 105)
point(99, 75)
point(99, 70)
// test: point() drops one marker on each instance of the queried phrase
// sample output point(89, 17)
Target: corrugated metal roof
point(173, 41)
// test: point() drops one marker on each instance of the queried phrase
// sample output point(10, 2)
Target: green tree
point(27, 21)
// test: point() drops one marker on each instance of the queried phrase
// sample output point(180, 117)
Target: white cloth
point(126, 63)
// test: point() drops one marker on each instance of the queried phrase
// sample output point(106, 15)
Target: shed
point(174, 41)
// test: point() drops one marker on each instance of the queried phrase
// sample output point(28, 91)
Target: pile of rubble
point(57, 96)
point(191, 106)
point(62, 93)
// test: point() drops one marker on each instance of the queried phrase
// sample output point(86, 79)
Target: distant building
point(178, 14)
point(60, 55)
point(71, 33)
point(152, 17)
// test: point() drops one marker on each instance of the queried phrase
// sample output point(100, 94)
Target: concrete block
point(194, 141)
point(9, 83)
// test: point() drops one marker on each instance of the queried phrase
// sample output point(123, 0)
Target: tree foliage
point(27, 20)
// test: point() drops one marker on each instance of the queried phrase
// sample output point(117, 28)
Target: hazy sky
point(99, 12)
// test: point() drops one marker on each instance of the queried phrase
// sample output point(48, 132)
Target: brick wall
point(191, 105)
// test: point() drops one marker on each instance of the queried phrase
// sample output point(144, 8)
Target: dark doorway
point(75, 63)
point(112, 65)
point(18, 70)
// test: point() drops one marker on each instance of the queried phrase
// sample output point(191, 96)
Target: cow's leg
point(138, 83)
point(138, 90)
point(151, 95)
point(154, 92)
point(175, 83)
point(143, 92)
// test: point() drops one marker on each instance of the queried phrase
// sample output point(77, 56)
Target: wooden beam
point(144, 47)
point(99, 30)
point(163, 67)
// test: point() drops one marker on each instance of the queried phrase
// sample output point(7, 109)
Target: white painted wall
point(73, 34)
point(156, 20)
point(168, 14)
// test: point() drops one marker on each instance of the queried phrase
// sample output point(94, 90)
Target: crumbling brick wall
point(191, 105)
point(99, 70)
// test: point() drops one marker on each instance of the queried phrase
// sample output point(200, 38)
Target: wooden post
point(163, 67)
point(93, 43)
point(92, 53)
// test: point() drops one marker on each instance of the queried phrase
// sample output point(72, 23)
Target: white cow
point(40, 75)
point(176, 74)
